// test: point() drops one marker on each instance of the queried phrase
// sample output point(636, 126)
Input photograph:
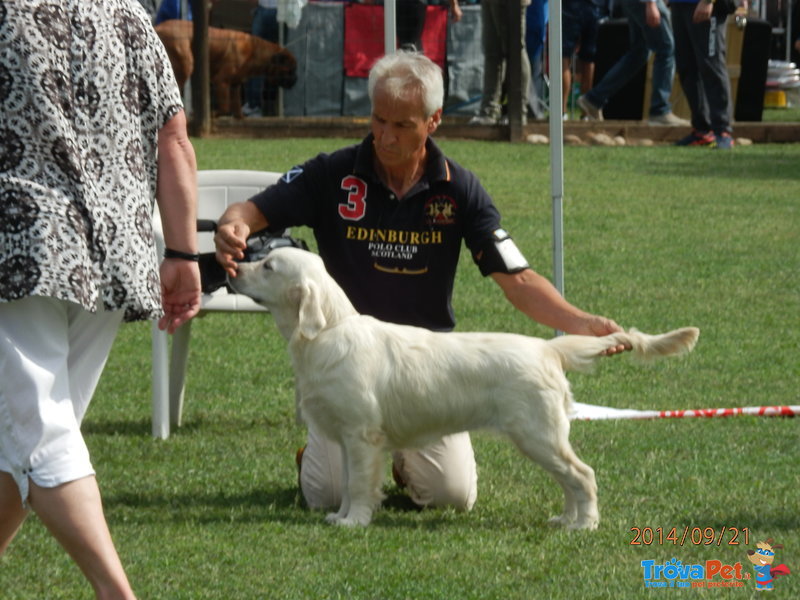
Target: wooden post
point(516, 107)
point(201, 77)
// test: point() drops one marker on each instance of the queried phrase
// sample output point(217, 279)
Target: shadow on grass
point(774, 166)
point(251, 506)
point(278, 504)
point(144, 427)
point(137, 427)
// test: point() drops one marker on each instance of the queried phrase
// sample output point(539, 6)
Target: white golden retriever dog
point(373, 386)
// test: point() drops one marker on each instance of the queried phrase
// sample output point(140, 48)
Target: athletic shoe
point(697, 138)
point(595, 113)
point(724, 141)
point(482, 120)
point(668, 119)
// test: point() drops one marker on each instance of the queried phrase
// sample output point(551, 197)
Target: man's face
point(400, 128)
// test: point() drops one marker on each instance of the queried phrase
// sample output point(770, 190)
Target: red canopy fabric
point(363, 37)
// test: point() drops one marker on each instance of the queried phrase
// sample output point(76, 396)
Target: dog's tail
point(580, 352)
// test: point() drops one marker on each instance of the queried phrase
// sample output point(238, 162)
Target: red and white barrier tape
point(589, 412)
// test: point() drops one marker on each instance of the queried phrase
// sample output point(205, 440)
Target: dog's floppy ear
point(310, 319)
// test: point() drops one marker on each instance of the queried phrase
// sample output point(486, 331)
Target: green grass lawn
point(789, 114)
point(654, 237)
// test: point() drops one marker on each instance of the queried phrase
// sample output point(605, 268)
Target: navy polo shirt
point(395, 259)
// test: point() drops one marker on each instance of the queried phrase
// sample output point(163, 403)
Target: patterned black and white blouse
point(85, 85)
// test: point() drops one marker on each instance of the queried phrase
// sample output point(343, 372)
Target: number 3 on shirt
point(356, 205)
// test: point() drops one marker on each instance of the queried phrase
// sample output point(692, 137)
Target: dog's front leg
point(236, 99)
point(223, 96)
point(361, 493)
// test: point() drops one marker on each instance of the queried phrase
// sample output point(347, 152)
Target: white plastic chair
point(216, 190)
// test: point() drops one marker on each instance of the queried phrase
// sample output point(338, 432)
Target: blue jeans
point(643, 40)
point(265, 25)
point(536, 17)
point(701, 50)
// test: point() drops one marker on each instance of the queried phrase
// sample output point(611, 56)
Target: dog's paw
point(352, 522)
point(573, 524)
point(588, 525)
point(560, 521)
point(347, 521)
point(354, 518)
point(334, 518)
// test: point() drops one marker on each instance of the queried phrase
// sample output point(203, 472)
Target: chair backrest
point(218, 189)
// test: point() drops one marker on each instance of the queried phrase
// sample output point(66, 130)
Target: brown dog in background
point(234, 57)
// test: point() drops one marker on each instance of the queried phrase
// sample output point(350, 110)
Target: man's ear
point(434, 121)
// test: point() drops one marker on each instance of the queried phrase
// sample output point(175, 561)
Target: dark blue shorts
point(579, 27)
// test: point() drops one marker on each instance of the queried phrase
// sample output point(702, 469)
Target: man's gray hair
point(405, 73)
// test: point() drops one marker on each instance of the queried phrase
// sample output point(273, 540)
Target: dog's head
point(294, 285)
point(277, 64)
point(282, 69)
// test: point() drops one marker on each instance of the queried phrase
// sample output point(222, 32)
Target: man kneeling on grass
point(389, 216)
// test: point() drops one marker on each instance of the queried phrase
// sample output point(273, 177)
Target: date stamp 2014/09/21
point(689, 535)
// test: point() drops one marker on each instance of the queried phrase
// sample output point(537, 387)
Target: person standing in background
point(649, 30)
point(701, 61)
point(580, 25)
point(172, 9)
point(260, 99)
point(536, 18)
point(496, 47)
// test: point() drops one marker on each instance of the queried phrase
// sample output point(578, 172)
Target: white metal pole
point(389, 27)
point(556, 142)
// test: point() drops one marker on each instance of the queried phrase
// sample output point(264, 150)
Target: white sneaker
point(482, 120)
point(595, 113)
point(251, 111)
point(668, 119)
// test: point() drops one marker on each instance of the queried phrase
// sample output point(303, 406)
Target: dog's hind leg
point(361, 490)
point(344, 506)
point(549, 447)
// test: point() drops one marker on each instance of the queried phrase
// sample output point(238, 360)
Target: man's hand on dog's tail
point(602, 326)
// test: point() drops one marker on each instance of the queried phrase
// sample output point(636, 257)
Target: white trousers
point(52, 353)
point(443, 474)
